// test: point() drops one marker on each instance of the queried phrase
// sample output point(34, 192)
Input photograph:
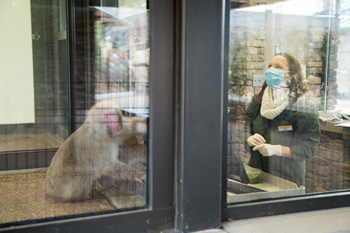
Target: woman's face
point(280, 63)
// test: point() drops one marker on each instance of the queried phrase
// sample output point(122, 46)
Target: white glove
point(269, 150)
point(255, 140)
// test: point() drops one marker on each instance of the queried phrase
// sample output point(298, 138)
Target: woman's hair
point(297, 85)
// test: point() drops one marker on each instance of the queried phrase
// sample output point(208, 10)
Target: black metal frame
point(189, 60)
point(15, 160)
point(308, 202)
point(135, 221)
point(287, 205)
point(160, 214)
point(200, 100)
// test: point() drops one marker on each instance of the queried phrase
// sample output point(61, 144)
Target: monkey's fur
point(91, 152)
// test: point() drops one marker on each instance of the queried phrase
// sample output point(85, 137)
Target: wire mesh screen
point(87, 151)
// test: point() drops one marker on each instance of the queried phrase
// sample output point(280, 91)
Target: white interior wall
point(16, 63)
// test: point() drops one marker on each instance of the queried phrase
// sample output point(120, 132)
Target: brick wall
point(329, 169)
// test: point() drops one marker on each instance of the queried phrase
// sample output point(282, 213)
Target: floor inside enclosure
point(22, 198)
point(22, 195)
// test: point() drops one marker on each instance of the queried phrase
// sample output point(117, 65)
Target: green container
point(253, 174)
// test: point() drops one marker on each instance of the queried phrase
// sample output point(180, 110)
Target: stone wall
point(322, 61)
point(247, 59)
point(331, 90)
point(329, 169)
point(314, 71)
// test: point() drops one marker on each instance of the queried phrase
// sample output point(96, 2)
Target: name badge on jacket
point(283, 128)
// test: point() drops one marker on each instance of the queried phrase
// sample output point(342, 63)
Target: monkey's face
point(105, 120)
point(113, 121)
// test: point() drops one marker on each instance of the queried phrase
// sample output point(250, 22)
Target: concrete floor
point(324, 221)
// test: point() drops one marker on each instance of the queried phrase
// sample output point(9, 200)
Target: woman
point(281, 126)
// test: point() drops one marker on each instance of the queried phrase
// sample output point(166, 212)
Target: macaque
point(92, 152)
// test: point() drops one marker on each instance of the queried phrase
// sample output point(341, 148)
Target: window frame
point(160, 211)
point(181, 110)
point(307, 202)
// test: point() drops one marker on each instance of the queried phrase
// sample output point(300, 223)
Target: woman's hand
point(255, 140)
point(269, 150)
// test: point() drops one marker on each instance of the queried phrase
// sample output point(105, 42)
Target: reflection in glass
point(290, 128)
point(101, 139)
point(34, 96)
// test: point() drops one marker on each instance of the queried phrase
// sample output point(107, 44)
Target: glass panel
point(289, 102)
point(101, 161)
point(34, 84)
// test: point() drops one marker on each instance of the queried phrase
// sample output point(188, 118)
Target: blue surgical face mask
point(274, 78)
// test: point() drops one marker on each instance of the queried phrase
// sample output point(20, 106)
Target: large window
point(73, 133)
point(288, 119)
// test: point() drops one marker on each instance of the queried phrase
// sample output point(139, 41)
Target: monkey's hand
point(255, 140)
point(269, 150)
